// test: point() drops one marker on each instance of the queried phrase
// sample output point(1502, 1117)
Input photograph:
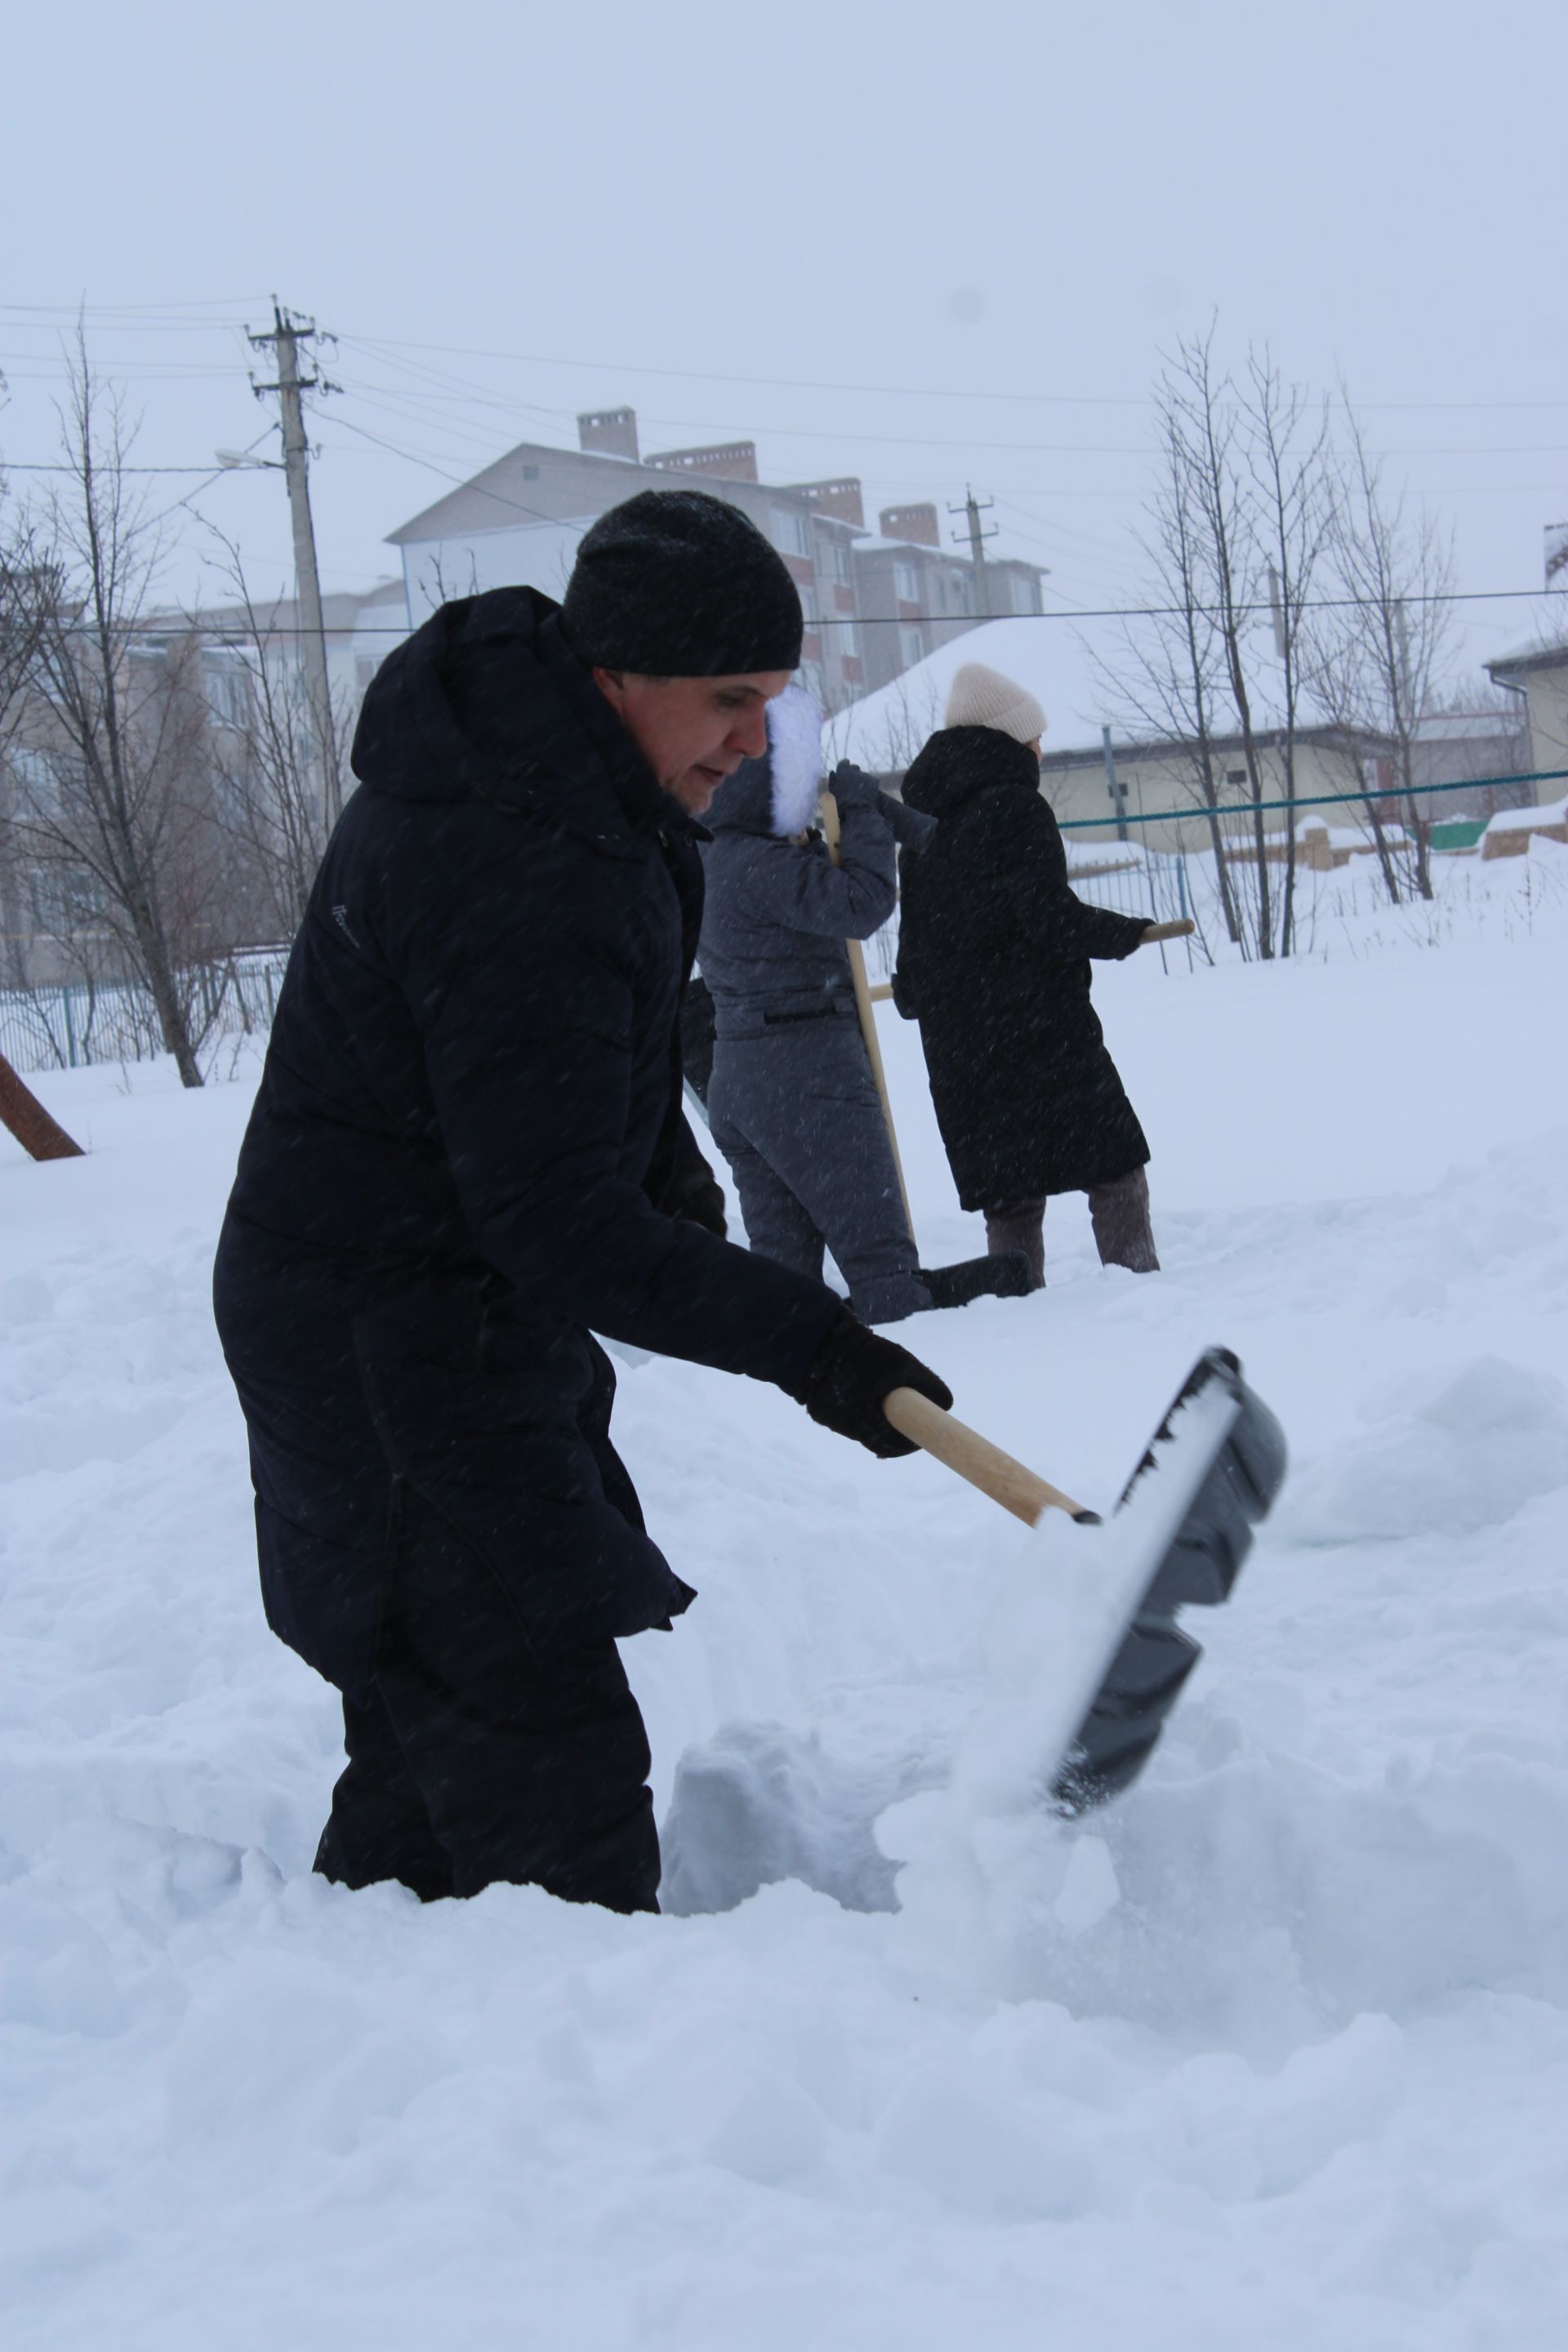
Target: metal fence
point(62, 1028)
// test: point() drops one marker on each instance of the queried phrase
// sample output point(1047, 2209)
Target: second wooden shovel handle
point(974, 1457)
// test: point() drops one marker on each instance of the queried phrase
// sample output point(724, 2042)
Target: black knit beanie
point(676, 583)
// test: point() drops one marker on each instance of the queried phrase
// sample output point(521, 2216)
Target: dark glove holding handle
point(852, 788)
point(850, 1374)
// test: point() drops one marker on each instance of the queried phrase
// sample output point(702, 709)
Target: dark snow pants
point(474, 1752)
point(472, 1760)
point(1119, 1211)
point(794, 1110)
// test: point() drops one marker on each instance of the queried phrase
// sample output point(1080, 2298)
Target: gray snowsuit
point(792, 1101)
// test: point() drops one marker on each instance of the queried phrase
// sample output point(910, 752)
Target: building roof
point(1545, 654)
point(1267, 739)
point(1466, 726)
point(507, 496)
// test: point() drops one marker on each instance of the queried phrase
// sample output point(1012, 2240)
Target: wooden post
point(867, 1017)
point(21, 1111)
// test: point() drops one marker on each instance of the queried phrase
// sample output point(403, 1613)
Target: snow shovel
point(1178, 1537)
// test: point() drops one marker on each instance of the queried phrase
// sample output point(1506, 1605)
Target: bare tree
point(1168, 676)
point(1237, 535)
point(266, 766)
point(1378, 652)
point(1288, 438)
point(113, 808)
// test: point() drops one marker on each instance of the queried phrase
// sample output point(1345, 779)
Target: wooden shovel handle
point(974, 1457)
point(1181, 930)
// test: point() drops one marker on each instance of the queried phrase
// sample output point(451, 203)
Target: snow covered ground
point(1273, 2053)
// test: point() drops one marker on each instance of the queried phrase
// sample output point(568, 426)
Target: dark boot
point(1019, 1225)
point(1120, 1212)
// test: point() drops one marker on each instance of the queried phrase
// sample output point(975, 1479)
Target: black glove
point(850, 1374)
point(694, 1193)
point(910, 828)
point(852, 788)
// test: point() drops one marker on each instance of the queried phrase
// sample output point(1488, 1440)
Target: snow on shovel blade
point(1177, 1538)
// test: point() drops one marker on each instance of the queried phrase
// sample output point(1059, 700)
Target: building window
point(792, 531)
point(1023, 593)
point(911, 648)
point(227, 688)
point(905, 583)
point(64, 899)
point(36, 771)
point(847, 637)
point(837, 563)
point(810, 608)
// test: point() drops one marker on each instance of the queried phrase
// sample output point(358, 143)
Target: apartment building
point(874, 603)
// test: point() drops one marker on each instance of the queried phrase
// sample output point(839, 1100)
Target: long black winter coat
point(993, 963)
point(470, 1117)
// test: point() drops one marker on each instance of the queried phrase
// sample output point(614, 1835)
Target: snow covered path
point(1277, 2055)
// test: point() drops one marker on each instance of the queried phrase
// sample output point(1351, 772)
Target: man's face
point(693, 731)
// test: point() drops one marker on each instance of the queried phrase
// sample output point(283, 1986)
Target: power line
point(917, 392)
point(18, 466)
point(892, 620)
point(135, 316)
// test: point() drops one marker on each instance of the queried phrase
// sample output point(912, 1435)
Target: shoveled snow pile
point(1274, 2053)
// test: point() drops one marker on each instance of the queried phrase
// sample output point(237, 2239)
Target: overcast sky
point(931, 246)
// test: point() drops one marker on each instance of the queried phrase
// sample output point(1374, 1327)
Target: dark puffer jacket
point(467, 1122)
point(993, 963)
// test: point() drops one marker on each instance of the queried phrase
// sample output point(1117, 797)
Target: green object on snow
point(1460, 833)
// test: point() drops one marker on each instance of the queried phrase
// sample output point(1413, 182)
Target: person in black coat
point(468, 1155)
point(993, 963)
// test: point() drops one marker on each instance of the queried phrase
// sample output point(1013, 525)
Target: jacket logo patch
point(341, 917)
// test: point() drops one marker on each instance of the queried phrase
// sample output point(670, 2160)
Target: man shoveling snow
point(464, 1158)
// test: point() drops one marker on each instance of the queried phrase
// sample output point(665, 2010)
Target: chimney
point(608, 433)
point(731, 461)
point(840, 498)
point(918, 523)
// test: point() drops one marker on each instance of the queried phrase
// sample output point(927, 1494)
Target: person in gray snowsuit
point(791, 1100)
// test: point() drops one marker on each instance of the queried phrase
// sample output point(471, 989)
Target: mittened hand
point(851, 787)
point(693, 1192)
point(850, 1374)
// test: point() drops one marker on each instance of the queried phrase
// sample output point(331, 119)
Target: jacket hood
point(776, 795)
point(487, 701)
point(961, 761)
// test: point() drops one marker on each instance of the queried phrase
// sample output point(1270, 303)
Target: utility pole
point(973, 507)
point(1118, 790)
point(288, 332)
point(1277, 611)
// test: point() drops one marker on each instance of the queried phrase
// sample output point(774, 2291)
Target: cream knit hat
point(980, 697)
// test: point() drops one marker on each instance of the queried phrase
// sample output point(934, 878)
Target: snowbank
point(1528, 819)
point(1275, 2052)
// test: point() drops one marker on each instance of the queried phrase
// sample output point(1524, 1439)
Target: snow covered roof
point(1521, 820)
point(1347, 836)
point(886, 729)
point(1544, 654)
point(1464, 726)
